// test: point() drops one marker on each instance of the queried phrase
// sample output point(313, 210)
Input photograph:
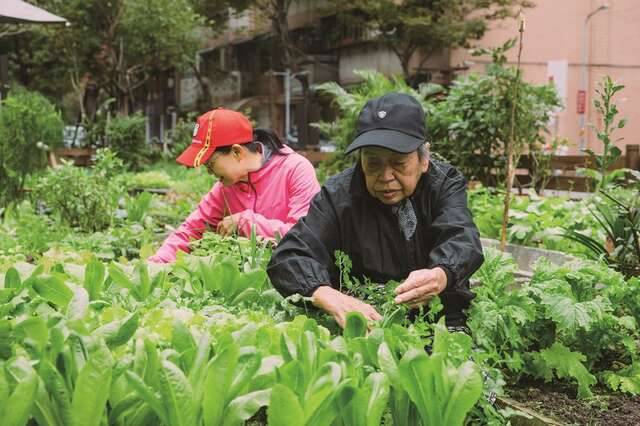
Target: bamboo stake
point(511, 151)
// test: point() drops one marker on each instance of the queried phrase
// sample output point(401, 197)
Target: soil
point(560, 403)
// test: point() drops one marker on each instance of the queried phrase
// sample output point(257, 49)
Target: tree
point(115, 46)
point(29, 128)
point(471, 128)
point(217, 12)
point(408, 26)
point(277, 11)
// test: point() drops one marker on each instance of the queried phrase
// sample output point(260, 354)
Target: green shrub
point(182, 134)
point(618, 216)
point(29, 126)
point(471, 127)
point(80, 197)
point(153, 179)
point(126, 137)
point(349, 103)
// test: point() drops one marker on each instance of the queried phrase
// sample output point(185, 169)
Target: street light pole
point(583, 77)
point(287, 100)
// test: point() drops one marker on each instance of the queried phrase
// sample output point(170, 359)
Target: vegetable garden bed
point(554, 400)
point(86, 300)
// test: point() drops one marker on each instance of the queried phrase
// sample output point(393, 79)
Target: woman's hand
point(228, 225)
point(339, 305)
point(421, 286)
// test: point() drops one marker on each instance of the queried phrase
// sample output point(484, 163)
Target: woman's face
point(391, 177)
point(230, 167)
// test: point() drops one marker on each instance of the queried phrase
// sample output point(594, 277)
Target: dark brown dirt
point(560, 402)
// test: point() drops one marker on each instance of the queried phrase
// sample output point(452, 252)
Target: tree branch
point(9, 30)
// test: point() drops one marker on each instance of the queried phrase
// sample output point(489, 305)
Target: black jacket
point(343, 216)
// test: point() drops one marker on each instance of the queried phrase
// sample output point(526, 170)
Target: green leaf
point(12, 278)
point(4, 389)
point(389, 365)
point(177, 395)
point(144, 287)
point(181, 338)
point(318, 398)
point(79, 304)
point(92, 388)
point(351, 404)
point(120, 278)
point(355, 325)
point(246, 406)
point(625, 380)
point(222, 278)
point(418, 379)
point(466, 392)
point(569, 364)
point(19, 404)
point(125, 406)
point(291, 375)
point(615, 152)
point(117, 333)
point(94, 278)
point(146, 393)
point(44, 412)
point(220, 372)
point(378, 386)
point(288, 348)
point(284, 407)
point(307, 353)
point(57, 389)
point(248, 295)
point(207, 276)
point(52, 289)
point(571, 315)
point(248, 365)
point(34, 331)
point(198, 372)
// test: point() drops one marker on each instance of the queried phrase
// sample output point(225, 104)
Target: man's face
point(391, 177)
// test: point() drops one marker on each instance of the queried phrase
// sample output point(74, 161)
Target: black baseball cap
point(394, 121)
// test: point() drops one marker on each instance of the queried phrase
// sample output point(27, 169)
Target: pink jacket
point(279, 194)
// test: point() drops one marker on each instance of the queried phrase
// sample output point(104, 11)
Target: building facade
point(573, 43)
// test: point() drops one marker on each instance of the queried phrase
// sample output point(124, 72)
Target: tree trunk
point(280, 26)
point(404, 62)
point(513, 151)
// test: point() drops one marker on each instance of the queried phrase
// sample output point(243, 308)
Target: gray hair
point(424, 151)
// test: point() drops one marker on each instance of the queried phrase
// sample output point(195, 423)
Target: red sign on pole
point(582, 101)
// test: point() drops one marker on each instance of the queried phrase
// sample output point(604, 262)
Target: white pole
point(287, 104)
point(583, 74)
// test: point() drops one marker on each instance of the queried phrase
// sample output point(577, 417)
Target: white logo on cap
point(382, 114)
point(195, 130)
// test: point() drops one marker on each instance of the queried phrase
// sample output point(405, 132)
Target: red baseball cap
point(216, 128)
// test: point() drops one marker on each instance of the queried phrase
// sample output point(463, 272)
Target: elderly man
point(396, 213)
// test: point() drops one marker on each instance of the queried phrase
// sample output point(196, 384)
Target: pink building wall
point(554, 31)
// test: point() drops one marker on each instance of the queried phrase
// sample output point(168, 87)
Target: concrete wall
point(554, 32)
point(366, 56)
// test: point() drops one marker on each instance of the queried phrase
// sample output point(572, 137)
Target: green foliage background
point(30, 126)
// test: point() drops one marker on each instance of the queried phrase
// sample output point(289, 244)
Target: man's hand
point(421, 286)
point(339, 305)
point(228, 225)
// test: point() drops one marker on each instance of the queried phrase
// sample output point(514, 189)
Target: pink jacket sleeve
point(209, 211)
point(302, 186)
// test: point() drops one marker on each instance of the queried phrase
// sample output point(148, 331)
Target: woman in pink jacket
point(261, 182)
